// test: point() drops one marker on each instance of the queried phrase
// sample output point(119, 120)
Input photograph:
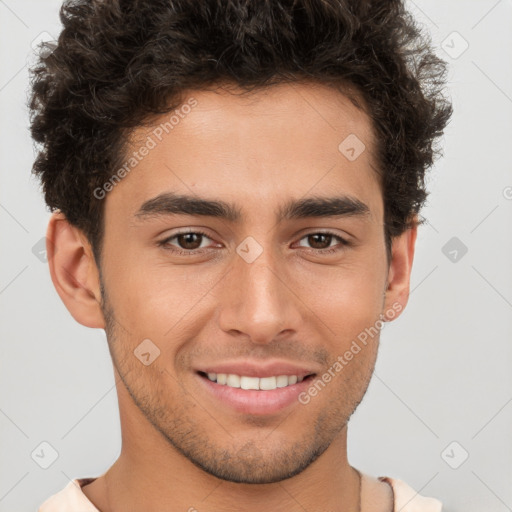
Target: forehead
point(278, 142)
point(308, 107)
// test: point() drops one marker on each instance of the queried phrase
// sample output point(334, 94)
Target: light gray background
point(444, 368)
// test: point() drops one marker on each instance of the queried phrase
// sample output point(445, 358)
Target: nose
point(258, 300)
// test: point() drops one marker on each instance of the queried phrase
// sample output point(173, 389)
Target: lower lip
point(253, 401)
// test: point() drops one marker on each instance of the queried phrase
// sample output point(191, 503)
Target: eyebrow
point(169, 203)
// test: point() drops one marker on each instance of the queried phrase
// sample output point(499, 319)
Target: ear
point(399, 272)
point(73, 271)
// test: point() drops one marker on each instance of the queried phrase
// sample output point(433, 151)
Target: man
point(235, 188)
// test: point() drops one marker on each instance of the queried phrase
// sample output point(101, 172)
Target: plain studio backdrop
point(438, 412)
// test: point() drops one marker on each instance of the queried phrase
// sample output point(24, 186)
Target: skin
point(181, 449)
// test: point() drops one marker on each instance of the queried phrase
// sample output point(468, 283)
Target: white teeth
point(233, 380)
point(249, 382)
point(261, 383)
point(282, 381)
point(268, 383)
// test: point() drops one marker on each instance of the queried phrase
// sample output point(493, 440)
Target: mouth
point(250, 394)
point(255, 383)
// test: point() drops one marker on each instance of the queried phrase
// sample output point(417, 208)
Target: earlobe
point(73, 271)
point(399, 275)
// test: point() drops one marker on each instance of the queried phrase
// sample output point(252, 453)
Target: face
point(277, 280)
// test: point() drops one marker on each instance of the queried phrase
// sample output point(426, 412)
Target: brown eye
point(319, 240)
point(189, 241)
point(322, 242)
point(185, 243)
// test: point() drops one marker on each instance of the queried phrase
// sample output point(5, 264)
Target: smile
point(261, 383)
point(254, 395)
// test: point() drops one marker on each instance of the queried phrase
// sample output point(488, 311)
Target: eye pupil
point(322, 235)
point(188, 240)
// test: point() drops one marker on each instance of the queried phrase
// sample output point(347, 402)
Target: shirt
point(405, 498)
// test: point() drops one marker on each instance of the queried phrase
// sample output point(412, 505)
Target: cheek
point(147, 290)
point(163, 303)
point(349, 303)
point(348, 299)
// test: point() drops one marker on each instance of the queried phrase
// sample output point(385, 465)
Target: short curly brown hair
point(118, 63)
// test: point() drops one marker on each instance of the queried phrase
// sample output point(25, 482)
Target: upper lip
point(258, 369)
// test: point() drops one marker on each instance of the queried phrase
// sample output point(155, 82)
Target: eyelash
point(165, 243)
